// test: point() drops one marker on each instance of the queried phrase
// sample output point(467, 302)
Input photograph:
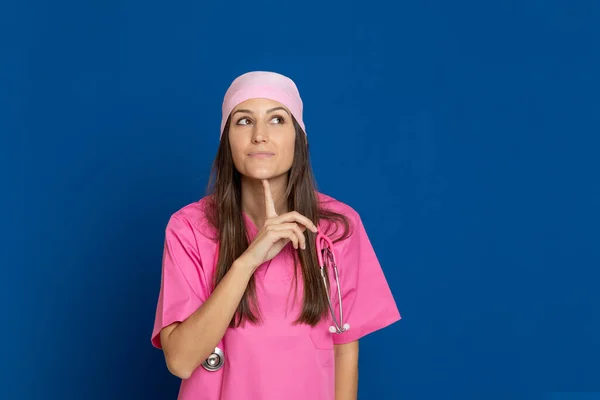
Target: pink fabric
point(276, 359)
point(263, 84)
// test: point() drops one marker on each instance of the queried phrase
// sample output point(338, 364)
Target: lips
point(261, 154)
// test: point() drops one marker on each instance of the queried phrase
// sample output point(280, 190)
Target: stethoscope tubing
point(216, 360)
point(338, 326)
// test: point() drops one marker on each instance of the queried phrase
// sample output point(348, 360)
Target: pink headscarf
point(262, 84)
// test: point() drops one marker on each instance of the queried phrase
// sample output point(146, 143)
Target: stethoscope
point(326, 259)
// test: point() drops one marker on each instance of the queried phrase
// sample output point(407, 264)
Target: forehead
point(258, 105)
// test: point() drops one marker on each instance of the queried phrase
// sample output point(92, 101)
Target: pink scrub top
point(275, 359)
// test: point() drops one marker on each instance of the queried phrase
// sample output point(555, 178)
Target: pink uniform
point(276, 359)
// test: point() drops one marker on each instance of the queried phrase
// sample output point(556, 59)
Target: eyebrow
point(268, 111)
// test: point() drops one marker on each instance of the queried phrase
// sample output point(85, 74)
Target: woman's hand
point(277, 232)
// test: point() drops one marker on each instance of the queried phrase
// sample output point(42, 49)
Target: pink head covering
point(262, 84)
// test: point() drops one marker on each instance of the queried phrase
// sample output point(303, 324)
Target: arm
point(188, 340)
point(346, 371)
point(187, 344)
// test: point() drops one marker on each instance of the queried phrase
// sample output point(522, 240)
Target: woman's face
point(262, 137)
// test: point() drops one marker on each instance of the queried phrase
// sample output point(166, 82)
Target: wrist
point(242, 264)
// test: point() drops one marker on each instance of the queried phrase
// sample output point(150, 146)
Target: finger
point(278, 234)
point(299, 218)
point(291, 235)
point(269, 204)
point(297, 229)
point(301, 239)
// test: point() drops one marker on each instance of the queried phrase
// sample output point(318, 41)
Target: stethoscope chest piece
point(214, 361)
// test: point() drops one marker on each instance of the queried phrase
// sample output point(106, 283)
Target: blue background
point(465, 134)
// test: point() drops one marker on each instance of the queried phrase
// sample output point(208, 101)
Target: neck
point(253, 198)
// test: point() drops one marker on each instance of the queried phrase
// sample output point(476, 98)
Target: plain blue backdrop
point(464, 133)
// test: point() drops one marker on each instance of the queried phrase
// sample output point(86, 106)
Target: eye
point(243, 121)
point(279, 119)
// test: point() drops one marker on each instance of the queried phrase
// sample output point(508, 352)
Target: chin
point(262, 174)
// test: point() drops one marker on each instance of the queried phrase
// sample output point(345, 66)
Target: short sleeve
point(183, 288)
point(367, 301)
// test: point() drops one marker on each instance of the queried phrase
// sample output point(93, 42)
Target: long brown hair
point(224, 212)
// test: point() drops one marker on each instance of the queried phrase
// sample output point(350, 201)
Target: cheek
point(288, 152)
point(237, 154)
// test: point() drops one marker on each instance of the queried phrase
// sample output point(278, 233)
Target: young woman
point(244, 311)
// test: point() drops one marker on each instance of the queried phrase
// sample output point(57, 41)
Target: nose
point(260, 135)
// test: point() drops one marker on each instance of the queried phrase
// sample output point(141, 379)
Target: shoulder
point(332, 204)
point(195, 218)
